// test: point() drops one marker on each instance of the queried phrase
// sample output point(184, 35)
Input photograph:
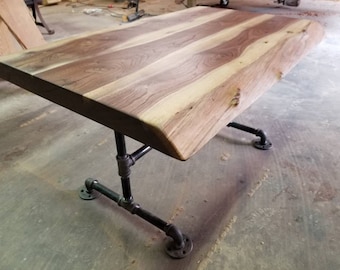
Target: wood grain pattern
point(7, 42)
point(171, 81)
point(16, 16)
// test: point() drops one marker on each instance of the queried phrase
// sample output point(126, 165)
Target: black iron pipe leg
point(180, 245)
point(86, 191)
point(262, 143)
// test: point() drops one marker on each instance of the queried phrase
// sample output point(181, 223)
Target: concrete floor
point(243, 208)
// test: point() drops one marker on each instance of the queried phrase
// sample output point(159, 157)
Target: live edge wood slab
point(172, 81)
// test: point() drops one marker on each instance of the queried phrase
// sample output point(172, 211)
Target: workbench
point(170, 82)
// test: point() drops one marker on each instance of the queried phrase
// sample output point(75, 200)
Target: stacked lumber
point(17, 28)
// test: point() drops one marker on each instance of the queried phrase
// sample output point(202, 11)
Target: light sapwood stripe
point(51, 59)
point(139, 96)
point(251, 83)
point(165, 109)
point(84, 76)
point(175, 59)
point(19, 59)
point(171, 30)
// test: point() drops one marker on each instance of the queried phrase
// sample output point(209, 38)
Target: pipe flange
point(179, 253)
point(262, 146)
point(85, 194)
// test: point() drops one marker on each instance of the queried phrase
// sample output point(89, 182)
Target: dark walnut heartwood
point(171, 82)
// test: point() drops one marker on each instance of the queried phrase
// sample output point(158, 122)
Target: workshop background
point(243, 208)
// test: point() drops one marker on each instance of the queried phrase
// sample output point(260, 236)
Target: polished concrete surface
point(243, 208)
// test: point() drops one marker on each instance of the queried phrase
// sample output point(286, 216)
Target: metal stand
point(133, 4)
point(179, 245)
point(292, 3)
point(263, 143)
point(139, 12)
point(33, 4)
point(222, 4)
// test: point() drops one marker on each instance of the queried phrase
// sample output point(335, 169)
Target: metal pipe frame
point(263, 143)
point(179, 245)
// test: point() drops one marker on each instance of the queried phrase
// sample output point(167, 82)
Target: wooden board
point(7, 42)
point(15, 15)
point(171, 81)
